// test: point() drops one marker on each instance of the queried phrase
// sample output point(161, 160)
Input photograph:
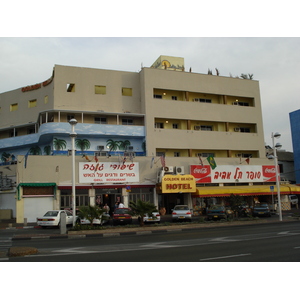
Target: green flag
point(211, 162)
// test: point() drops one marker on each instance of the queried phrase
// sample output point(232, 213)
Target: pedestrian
point(121, 205)
point(106, 208)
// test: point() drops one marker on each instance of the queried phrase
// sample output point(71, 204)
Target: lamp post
point(275, 147)
point(73, 134)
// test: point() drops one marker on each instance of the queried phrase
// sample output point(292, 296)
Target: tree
point(82, 144)
point(123, 144)
point(141, 208)
point(235, 201)
point(36, 150)
point(247, 76)
point(59, 144)
point(91, 212)
point(47, 150)
point(112, 145)
point(5, 156)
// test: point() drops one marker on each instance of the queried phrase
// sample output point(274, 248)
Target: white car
point(100, 221)
point(155, 218)
point(52, 218)
point(181, 212)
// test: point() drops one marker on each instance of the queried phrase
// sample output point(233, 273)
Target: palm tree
point(112, 145)
point(47, 150)
point(36, 150)
point(141, 208)
point(123, 144)
point(82, 144)
point(5, 156)
point(91, 212)
point(59, 144)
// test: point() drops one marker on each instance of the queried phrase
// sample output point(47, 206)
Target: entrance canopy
point(253, 190)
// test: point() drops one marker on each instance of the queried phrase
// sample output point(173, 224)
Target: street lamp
point(73, 135)
point(275, 147)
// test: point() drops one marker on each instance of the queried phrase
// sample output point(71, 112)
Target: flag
point(211, 162)
point(96, 159)
point(152, 162)
point(248, 160)
point(200, 159)
point(25, 161)
point(163, 161)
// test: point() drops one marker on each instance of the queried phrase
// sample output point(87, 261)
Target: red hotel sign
point(226, 174)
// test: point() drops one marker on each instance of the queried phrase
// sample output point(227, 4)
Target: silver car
point(181, 212)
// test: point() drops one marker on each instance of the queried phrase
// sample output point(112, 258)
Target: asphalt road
point(276, 242)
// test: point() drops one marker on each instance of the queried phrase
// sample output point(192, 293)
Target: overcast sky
point(274, 62)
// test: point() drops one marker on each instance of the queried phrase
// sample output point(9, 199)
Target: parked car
point(261, 210)
point(181, 212)
point(100, 221)
point(121, 216)
point(293, 199)
point(216, 212)
point(52, 218)
point(155, 218)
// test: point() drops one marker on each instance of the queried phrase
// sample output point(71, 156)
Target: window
point(202, 100)
point(159, 125)
point(127, 122)
point(127, 91)
point(175, 126)
point(206, 128)
point(31, 130)
point(14, 107)
point(71, 87)
point(100, 89)
point(176, 154)
point(206, 154)
point(46, 99)
point(157, 96)
point(32, 103)
point(69, 117)
point(174, 97)
point(100, 120)
point(244, 129)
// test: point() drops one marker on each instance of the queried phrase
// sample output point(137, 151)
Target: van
point(293, 199)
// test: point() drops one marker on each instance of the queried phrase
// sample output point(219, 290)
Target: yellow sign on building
point(178, 184)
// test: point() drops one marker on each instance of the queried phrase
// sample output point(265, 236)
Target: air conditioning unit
point(237, 129)
point(197, 127)
point(101, 148)
point(169, 169)
point(179, 170)
point(101, 153)
point(130, 148)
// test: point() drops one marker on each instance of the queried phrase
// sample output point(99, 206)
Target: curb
point(79, 235)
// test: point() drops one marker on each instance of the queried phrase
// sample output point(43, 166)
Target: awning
point(253, 190)
point(36, 184)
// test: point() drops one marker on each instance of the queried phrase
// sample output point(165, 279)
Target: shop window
point(14, 107)
point(32, 103)
point(126, 91)
point(100, 89)
point(71, 87)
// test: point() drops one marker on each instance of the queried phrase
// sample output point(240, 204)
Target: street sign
point(272, 188)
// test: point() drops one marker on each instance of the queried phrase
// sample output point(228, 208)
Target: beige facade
point(176, 114)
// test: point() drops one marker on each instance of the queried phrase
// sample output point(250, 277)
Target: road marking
point(78, 250)
point(224, 239)
point(222, 257)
